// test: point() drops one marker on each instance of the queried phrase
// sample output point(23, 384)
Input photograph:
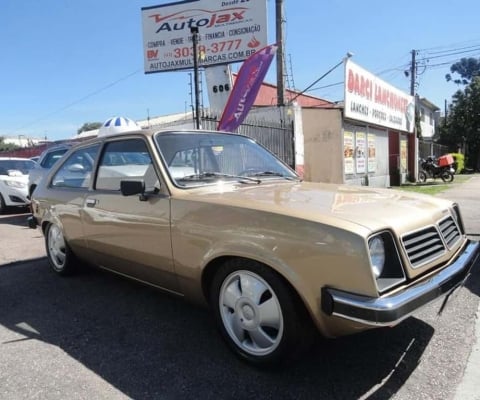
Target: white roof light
point(118, 125)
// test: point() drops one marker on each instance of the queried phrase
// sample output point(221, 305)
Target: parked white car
point(14, 182)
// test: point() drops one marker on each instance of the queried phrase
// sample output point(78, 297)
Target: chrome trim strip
point(390, 310)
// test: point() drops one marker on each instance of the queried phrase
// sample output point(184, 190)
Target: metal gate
point(276, 137)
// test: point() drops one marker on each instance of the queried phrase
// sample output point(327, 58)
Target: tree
point(467, 68)
point(462, 126)
point(7, 146)
point(89, 126)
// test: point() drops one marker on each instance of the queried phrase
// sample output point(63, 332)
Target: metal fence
point(275, 136)
point(426, 149)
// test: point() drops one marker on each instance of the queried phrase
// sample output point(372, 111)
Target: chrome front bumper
point(390, 310)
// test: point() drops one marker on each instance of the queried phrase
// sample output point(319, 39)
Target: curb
point(27, 260)
point(468, 387)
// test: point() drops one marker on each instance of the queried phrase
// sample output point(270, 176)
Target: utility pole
point(413, 73)
point(413, 139)
point(279, 13)
point(194, 32)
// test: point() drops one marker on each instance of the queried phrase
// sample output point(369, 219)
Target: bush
point(459, 164)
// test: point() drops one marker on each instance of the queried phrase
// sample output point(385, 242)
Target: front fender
point(308, 255)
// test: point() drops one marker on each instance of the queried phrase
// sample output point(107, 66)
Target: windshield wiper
point(273, 173)
point(217, 175)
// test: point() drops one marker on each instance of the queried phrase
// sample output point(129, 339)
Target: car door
point(127, 234)
point(67, 189)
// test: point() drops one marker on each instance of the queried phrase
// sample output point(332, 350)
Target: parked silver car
point(46, 161)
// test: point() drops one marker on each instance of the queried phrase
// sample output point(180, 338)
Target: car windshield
point(24, 166)
point(195, 159)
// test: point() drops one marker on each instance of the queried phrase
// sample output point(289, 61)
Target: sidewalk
point(467, 195)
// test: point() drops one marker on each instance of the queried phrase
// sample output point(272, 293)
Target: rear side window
point(52, 157)
point(76, 171)
point(125, 160)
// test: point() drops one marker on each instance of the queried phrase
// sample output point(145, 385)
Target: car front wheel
point(257, 313)
point(3, 207)
point(60, 257)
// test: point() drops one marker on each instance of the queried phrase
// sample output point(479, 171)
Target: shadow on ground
point(149, 345)
point(15, 218)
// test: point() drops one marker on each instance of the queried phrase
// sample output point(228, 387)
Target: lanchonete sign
point(372, 100)
point(229, 31)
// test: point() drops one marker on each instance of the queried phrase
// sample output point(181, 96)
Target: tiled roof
point(267, 96)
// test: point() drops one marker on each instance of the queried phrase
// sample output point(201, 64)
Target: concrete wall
point(427, 121)
point(323, 145)
point(323, 133)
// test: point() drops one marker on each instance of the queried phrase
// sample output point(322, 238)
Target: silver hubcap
point(56, 247)
point(251, 313)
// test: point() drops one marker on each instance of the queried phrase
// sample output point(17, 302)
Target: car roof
point(65, 145)
point(14, 158)
point(149, 132)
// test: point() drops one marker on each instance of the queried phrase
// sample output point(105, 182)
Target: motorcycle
point(443, 169)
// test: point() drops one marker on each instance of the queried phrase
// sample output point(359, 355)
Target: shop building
point(367, 140)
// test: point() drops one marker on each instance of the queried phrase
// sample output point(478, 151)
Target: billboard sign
point(370, 99)
point(228, 32)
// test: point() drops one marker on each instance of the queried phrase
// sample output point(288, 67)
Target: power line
point(452, 53)
point(445, 51)
point(454, 46)
point(42, 118)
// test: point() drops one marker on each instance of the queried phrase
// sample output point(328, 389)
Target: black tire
point(446, 176)
point(240, 290)
point(60, 257)
point(3, 207)
point(31, 190)
point(422, 177)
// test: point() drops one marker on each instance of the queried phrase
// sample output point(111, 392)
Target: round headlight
point(377, 255)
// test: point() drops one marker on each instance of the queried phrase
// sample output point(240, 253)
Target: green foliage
point(7, 146)
point(462, 126)
point(467, 68)
point(89, 126)
point(459, 161)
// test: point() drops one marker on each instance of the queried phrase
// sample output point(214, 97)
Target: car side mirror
point(129, 188)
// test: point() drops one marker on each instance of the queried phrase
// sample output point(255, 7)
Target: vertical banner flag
point(246, 87)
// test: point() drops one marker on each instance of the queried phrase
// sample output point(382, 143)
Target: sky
point(67, 62)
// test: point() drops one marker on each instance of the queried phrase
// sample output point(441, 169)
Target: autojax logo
point(198, 18)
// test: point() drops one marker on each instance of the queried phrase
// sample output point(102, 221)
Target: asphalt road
point(97, 336)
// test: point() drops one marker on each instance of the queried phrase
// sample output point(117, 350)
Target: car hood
point(370, 208)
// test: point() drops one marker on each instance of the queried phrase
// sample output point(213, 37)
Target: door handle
point(91, 202)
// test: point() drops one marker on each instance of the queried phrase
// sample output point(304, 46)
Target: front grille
point(430, 243)
point(449, 231)
point(423, 246)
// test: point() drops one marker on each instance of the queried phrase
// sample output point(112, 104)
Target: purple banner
point(246, 87)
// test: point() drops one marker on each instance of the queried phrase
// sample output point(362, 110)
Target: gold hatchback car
point(219, 220)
